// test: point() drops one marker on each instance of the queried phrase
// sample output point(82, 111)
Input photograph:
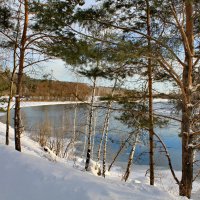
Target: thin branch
point(146, 36)
point(168, 158)
point(180, 27)
point(36, 62)
point(195, 133)
point(197, 175)
point(168, 117)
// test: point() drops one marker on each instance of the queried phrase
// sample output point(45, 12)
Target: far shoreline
point(25, 104)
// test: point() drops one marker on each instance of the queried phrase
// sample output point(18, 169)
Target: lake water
point(60, 119)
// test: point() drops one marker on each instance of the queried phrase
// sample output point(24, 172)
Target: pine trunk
point(17, 118)
point(150, 84)
point(185, 188)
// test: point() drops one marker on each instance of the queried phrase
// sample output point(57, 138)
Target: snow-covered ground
point(34, 174)
point(42, 103)
point(25, 177)
point(37, 175)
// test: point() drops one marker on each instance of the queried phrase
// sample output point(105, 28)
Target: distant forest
point(53, 90)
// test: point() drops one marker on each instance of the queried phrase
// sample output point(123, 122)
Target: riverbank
point(40, 103)
point(43, 103)
point(24, 104)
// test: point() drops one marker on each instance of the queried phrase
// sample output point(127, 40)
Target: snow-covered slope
point(26, 177)
point(31, 176)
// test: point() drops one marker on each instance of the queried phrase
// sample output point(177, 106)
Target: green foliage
point(93, 73)
point(5, 18)
point(4, 82)
point(53, 15)
point(135, 115)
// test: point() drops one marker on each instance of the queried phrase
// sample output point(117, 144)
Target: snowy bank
point(40, 103)
point(28, 177)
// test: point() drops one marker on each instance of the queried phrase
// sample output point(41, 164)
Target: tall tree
point(17, 116)
point(187, 151)
point(150, 88)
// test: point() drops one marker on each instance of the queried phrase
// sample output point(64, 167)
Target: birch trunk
point(74, 121)
point(130, 160)
point(88, 156)
point(105, 140)
point(94, 133)
point(86, 132)
point(8, 106)
point(105, 123)
point(105, 131)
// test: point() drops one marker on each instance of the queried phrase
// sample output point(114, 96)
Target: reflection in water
point(58, 121)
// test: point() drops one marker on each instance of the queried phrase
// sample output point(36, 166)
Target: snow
point(39, 103)
point(25, 177)
point(38, 174)
point(160, 100)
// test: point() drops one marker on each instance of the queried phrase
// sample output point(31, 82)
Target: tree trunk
point(187, 152)
point(17, 118)
point(10, 99)
point(12, 79)
point(85, 137)
point(88, 156)
point(105, 140)
point(105, 122)
point(105, 131)
point(94, 132)
point(8, 114)
point(130, 160)
point(75, 119)
point(150, 84)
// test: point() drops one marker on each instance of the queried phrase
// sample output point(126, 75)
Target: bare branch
point(168, 158)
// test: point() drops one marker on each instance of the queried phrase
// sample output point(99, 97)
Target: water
point(60, 119)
